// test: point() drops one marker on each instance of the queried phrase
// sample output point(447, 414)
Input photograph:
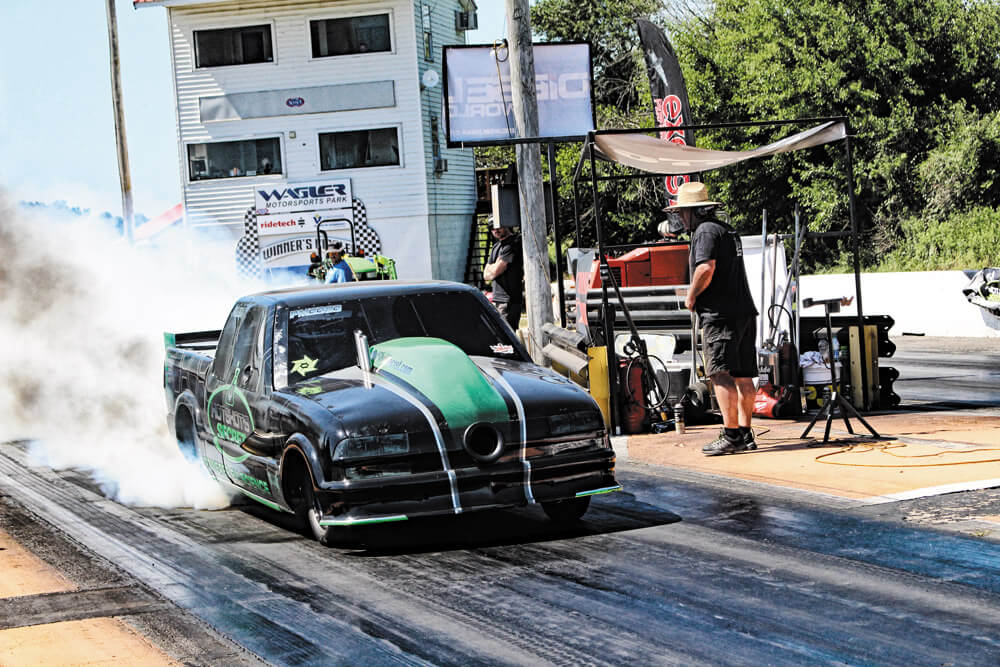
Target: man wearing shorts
point(720, 294)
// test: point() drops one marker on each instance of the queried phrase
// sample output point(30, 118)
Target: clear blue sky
point(57, 136)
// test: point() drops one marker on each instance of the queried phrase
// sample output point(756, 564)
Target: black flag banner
point(670, 98)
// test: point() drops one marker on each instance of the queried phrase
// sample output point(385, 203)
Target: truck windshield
point(321, 337)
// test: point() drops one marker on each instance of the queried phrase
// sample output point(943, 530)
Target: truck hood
point(419, 383)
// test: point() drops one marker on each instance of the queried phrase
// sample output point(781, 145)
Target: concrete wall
point(923, 302)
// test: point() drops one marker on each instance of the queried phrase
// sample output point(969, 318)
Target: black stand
point(836, 400)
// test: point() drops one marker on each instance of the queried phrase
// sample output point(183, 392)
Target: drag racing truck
point(384, 401)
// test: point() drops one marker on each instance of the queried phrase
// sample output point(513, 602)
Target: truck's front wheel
point(298, 489)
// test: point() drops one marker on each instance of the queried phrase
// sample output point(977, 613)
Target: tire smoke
point(82, 316)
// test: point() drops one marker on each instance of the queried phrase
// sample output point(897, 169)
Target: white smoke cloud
point(82, 316)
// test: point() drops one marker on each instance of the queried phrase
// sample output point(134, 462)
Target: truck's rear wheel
point(186, 438)
point(566, 511)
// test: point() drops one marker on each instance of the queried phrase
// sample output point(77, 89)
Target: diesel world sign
point(296, 197)
point(478, 91)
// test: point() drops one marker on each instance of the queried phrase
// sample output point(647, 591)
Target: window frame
point(427, 29)
point(368, 11)
point(219, 358)
point(214, 26)
point(278, 175)
point(254, 349)
point(341, 130)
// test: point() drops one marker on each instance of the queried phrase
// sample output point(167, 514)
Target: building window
point(228, 159)
point(361, 148)
point(425, 19)
point(357, 34)
point(435, 137)
point(233, 46)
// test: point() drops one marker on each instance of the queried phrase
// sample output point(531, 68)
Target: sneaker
point(722, 445)
point(749, 443)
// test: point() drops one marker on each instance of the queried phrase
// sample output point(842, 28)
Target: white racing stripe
point(415, 402)
point(519, 406)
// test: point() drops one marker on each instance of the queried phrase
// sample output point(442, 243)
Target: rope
point(886, 448)
point(497, 45)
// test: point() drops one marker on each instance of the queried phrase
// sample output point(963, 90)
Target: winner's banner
point(670, 98)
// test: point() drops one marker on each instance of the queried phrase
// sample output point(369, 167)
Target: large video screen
point(477, 92)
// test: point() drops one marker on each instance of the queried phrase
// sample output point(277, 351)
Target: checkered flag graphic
point(248, 262)
point(248, 259)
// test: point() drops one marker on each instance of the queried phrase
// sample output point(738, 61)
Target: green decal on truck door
point(229, 418)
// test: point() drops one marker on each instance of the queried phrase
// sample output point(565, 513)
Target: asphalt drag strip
point(669, 571)
point(820, 524)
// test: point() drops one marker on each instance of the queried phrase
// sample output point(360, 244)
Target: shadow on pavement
point(612, 513)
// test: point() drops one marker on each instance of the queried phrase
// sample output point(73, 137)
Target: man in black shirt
point(505, 268)
point(720, 294)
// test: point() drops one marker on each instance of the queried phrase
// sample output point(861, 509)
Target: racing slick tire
point(301, 497)
point(325, 535)
point(566, 511)
point(186, 438)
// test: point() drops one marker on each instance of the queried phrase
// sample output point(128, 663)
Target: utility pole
point(538, 292)
point(116, 101)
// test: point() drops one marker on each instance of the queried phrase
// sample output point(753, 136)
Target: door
point(237, 406)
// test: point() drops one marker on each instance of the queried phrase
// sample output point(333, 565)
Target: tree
point(893, 67)
point(609, 27)
point(621, 96)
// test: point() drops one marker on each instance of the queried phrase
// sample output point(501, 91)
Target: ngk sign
point(298, 197)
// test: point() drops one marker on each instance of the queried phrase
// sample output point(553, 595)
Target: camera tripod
point(837, 402)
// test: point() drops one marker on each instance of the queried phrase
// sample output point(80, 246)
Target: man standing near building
point(505, 269)
point(720, 294)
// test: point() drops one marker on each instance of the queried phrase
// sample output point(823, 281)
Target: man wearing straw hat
point(720, 294)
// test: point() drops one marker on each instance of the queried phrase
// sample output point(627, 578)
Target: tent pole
point(550, 154)
point(608, 318)
point(576, 214)
point(862, 343)
point(763, 281)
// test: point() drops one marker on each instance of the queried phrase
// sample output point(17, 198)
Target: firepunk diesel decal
point(229, 418)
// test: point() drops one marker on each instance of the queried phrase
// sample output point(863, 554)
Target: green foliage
point(962, 170)
point(621, 93)
point(963, 240)
point(917, 80)
point(609, 27)
point(893, 67)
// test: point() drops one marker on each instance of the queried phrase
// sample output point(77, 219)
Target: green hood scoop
point(445, 375)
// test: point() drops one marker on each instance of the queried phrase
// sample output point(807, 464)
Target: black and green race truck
point(384, 401)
